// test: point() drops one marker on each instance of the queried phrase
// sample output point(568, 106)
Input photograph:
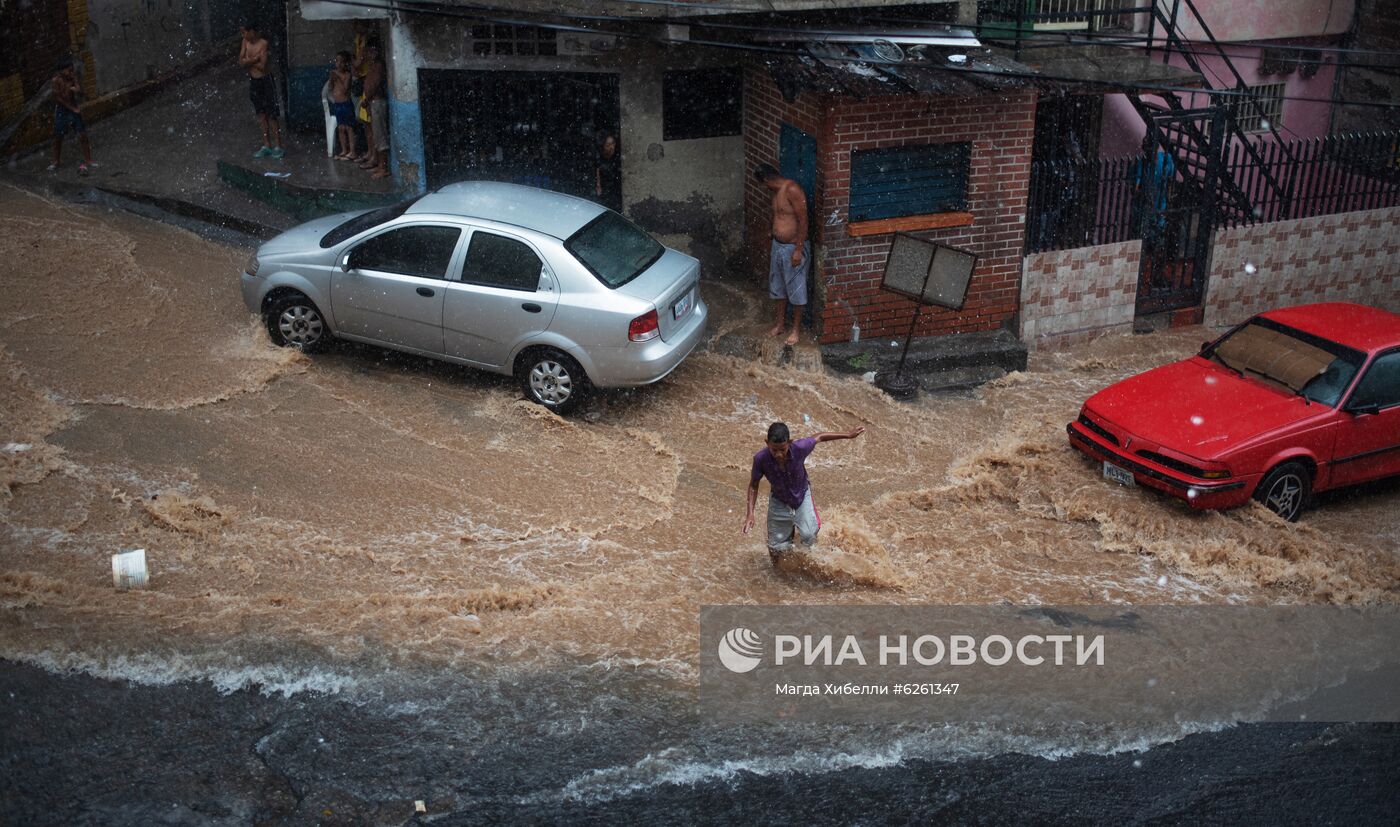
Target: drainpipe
point(855, 322)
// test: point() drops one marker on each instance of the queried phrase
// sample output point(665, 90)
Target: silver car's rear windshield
point(365, 221)
point(614, 249)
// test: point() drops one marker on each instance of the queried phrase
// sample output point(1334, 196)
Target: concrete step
point(939, 362)
point(957, 379)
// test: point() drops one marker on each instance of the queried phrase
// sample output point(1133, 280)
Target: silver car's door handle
point(531, 307)
point(425, 291)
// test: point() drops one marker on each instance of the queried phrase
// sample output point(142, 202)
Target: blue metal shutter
point(909, 180)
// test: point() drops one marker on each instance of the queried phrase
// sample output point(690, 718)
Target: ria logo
point(740, 650)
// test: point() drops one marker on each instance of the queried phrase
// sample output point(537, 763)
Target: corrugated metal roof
point(849, 71)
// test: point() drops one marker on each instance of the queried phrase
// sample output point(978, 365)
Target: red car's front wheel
point(1285, 490)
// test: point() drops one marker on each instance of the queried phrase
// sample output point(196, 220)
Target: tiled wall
point(1069, 296)
point(1347, 257)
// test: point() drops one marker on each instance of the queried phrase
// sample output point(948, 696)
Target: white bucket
point(129, 569)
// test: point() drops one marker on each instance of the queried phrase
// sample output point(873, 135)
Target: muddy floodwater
point(318, 524)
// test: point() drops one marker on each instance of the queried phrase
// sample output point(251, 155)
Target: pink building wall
point(1242, 20)
point(1123, 128)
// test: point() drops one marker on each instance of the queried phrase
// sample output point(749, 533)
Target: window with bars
point(1265, 109)
point(702, 103)
point(500, 39)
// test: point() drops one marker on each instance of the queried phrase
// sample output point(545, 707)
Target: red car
point(1290, 402)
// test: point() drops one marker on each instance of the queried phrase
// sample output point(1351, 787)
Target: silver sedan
point(558, 291)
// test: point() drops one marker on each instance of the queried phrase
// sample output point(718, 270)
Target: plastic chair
point(330, 119)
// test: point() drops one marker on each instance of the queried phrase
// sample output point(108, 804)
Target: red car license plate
point(1122, 476)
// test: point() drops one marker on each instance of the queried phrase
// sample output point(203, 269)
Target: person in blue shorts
point(338, 90)
point(790, 254)
point(68, 116)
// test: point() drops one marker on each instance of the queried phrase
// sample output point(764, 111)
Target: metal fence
point(1318, 176)
point(1101, 201)
point(1081, 203)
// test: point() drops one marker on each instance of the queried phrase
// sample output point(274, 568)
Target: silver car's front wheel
point(552, 379)
point(293, 321)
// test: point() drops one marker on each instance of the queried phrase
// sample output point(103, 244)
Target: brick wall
point(1347, 257)
point(1070, 296)
point(764, 113)
point(1000, 127)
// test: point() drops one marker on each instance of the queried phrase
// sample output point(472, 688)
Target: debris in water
point(277, 175)
point(1162, 581)
point(420, 807)
point(17, 447)
point(869, 376)
point(129, 569)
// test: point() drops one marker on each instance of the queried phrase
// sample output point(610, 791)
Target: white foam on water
point(165, 670)
point(677, 766)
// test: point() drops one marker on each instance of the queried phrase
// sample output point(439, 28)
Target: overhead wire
point(486, 14)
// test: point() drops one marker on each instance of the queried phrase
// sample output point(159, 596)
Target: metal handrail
point(1241, 88)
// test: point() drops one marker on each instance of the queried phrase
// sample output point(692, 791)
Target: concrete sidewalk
point(166, 151)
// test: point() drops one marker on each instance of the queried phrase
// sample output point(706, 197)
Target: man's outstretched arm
point(827, 436)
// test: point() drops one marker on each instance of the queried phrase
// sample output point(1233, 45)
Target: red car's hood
point(1197, 408)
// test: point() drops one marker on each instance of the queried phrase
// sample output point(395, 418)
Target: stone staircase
point(939, 363)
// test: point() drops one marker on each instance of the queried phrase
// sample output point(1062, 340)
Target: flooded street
point(392, 530)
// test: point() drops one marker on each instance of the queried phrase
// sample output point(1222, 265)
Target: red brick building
point(989, 130)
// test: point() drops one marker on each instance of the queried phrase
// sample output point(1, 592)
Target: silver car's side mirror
point(345, 262)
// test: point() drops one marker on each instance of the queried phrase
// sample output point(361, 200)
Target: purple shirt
point(788, 481)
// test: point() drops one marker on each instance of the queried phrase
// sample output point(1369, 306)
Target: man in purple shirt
point(790, 500)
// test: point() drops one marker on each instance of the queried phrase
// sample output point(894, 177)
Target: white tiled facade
point(1069, 296)
point(1347, 257)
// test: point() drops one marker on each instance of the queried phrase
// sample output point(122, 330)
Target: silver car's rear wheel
point(553, 379)
point(293, 321)
point(1285, 490)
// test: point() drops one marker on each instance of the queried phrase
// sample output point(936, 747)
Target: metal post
point(1151, 29)
point(899, 384)
point(1021, 6)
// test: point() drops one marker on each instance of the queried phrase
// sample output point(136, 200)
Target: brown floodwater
point(360, 502)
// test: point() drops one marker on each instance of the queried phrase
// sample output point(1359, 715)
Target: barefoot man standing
point(783, 462)
point(790, 256)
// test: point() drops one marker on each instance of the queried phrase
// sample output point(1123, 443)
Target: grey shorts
point(784, 280)
point(782, 518)
point(379, 123)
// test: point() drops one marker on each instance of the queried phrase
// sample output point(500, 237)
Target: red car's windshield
point(1310, 366)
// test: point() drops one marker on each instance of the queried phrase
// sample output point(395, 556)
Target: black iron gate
point(1176, 194)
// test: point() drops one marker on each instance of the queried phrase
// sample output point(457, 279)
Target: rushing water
point(405, 534)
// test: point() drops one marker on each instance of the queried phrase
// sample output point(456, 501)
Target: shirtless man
point(790, 256)
point(67, 115)
point(338, 87)
point(253, 54)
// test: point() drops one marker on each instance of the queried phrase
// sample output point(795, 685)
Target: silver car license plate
point(682, 307)
point(1122, 476)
